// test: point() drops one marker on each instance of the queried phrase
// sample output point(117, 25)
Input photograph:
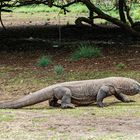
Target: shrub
point(44, 61)
point(85, 51)
point(58, 69)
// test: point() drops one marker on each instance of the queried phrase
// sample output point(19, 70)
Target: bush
point(44, 61)
point(85, 51)
point(58, 69)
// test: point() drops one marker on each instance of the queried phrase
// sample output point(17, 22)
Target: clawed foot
point(100, 104)
point(64, 106)
point(129, 101)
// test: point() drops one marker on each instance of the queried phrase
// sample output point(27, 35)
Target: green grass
point(85, 51)
point(43, 77)
point(58, 69)
point(35, 9)
point(43, 8)
point(76, 8)
point(43, 61)
point(120, 66)
point(5, 117)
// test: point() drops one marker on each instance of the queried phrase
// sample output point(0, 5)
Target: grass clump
point(58, 69)
point(85, 51)
point(120, 66)
point(6, 118)
point(43, 61)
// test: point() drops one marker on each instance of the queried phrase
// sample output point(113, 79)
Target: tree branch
point(119, 23)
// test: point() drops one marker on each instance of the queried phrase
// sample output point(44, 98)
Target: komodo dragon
point(79, 93)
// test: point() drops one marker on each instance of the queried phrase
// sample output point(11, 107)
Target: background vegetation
point(76, 8)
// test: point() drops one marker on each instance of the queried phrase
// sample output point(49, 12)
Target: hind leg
point(54, 102)
point(64, 94)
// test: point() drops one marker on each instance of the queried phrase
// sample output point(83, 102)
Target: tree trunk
point(121, 10)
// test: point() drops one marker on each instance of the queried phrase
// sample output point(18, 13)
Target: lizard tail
point(31, 99)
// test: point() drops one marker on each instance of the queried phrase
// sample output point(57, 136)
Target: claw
point(129, 101)
point(64, 106)
point(100, 104)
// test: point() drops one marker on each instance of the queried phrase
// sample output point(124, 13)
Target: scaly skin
point(79, 93)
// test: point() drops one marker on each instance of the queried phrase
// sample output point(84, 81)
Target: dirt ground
point(23, 36)
point(87, 125)
point(119, 121)
point(66, 125)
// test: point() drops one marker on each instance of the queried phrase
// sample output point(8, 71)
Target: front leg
point(102, 93)
point(123, 98)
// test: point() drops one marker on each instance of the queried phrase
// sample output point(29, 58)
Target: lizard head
point(135, 88)
point(138, 88)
